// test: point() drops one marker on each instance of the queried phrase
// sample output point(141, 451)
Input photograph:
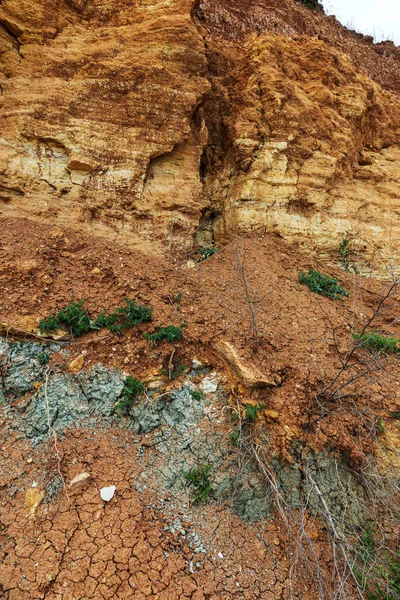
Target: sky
point(379, 18)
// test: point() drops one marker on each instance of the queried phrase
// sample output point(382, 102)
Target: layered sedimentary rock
point(311, 150)
point(99, 119)
point(149, 121)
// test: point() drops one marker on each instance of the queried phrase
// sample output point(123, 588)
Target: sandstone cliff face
point(148, 121)
point(100, 120)
point(311, 150)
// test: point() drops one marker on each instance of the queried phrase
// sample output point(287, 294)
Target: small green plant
point(235, 436)
point(322, 284)
point(375, 341)
point(207, 252)
point(381, 426)
point(197, 394)
point(178, 298)
point(170, 334)
point(382, 581)
point(133, 388)
point(311, 4)
point(367, 545)
point(131, 315)
point(73, 317)
point(43, 358)
point(199, 480)
point(395, 414)
point(76, 319)
point(251, 411)
point(176, 369)
point(344, 253)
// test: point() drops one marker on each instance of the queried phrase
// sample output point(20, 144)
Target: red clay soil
point(85, 549)
point(301, 332)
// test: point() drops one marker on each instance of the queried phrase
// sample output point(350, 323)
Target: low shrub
point(77, 321)
point(251, 411)
point(379, 577)
point(379, 342)
point(169, 334)
point(197, 394)
point(207, 252)
point(235, 436)
point(177, 369)
point(199, 479)
point(133, 388)
point(311, 4)
point(43, 358)
point(131, 315)
point(322, 284)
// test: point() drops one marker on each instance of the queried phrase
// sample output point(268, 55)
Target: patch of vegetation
point(251, 411)
point(133, 388)
point(381, 581)
point(43, 358)
point(379, 342)
point(345, 252)
point(311, 4)
point(178, 298)
point(197, 394)
point(199, 480)
point(131, 315)
point(170, 334)
point(322, 284)
point(207, 252)
point(77, 321)
point(235, 436)
point(395, 414)
point(177, 368)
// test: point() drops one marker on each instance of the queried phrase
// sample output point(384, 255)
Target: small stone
point(57, 233)
point(29, 460)
point(196, 364)
point(76, 365)
point(95, 271)
point(272, 414)
point(33, 498)
point(36, 385)
point(107, 493)
point(209, 385)
point(79, 481)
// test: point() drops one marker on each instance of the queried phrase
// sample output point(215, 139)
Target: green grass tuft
point(197, 394)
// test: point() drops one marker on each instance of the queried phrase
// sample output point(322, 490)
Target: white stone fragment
point(209, 385)
point(106, 493)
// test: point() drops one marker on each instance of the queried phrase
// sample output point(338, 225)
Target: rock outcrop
point(150, 122)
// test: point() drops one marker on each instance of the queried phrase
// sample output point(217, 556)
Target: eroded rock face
point(146, 121)
point(100, 120)
point(311, 150)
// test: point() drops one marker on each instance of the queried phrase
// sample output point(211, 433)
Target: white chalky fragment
point(106, 493)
